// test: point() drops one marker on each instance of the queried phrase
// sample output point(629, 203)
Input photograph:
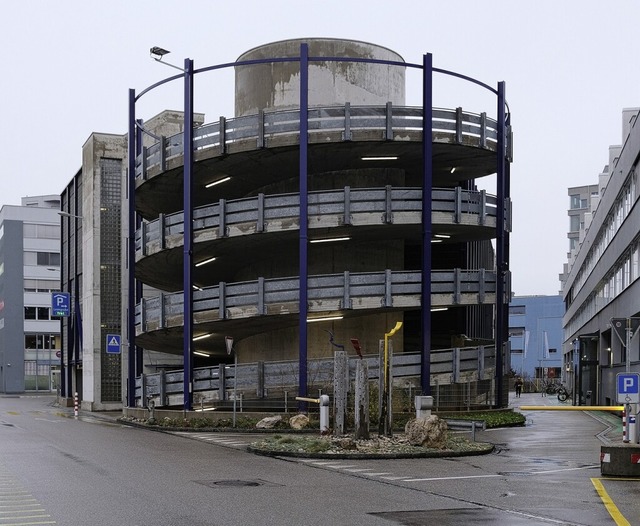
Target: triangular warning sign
point(113, 342)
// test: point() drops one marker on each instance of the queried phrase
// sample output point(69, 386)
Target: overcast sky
point(568, 65)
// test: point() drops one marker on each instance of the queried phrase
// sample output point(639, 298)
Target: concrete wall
point(12, 311)
point(276, 86)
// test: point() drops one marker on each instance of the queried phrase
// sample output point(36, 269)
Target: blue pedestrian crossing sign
point(60, 304)
point(113, 343)
point(628, 388)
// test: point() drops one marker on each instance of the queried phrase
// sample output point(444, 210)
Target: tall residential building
point(29, 273)
point(601, 289)
point(327, 205)
point(535, 334)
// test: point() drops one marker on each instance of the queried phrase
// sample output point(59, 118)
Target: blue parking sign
point(628, 388)
point(60, 304)
point(113, 343)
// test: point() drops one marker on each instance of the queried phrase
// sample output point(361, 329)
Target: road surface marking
point(609, 505)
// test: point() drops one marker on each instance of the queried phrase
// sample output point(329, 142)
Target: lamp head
point(157, 52)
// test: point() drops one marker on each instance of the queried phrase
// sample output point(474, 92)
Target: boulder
point(269, 422)
point(427, 432)
point(299, 421)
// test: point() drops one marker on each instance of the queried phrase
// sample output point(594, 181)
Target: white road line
point(376, 474)
point(393, 478)
point(359, 470)
point(453, 478)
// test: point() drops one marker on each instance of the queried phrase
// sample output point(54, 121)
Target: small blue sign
point(60, 304)
point(113, 343)
point(628, 387)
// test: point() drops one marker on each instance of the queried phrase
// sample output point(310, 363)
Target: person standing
point(518, 385)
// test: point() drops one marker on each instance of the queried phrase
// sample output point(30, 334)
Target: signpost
point(113, 344)
point(628, 387)
point(61, 304)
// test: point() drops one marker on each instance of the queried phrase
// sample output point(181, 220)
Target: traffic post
point(628, 387)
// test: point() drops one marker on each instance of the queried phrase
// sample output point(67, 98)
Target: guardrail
point(217, 383)
point(348, 206)
point(280, 296)
point(351, 122)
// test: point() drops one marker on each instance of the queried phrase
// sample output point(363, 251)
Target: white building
point(601, 279)
point(29, 273)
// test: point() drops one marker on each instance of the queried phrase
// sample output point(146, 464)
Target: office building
point(601, 290)
point(535, 335)
point(29, 273)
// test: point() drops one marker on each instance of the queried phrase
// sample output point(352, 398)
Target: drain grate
point(235, 483)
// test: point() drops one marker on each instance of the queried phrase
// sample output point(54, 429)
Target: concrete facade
point(602, 281)
point(29, 273)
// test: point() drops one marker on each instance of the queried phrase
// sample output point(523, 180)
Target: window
point(43, 313)
point(29, 313)
point(43, 259)
point(575, 201)
point(517, 309)
point(574, 223)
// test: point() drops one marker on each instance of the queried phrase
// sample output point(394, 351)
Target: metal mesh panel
point(110, 299)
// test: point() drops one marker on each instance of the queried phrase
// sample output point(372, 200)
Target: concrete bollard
point(324, 413)
point(423, 405)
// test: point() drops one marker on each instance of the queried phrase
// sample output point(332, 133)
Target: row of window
point(625, 272)
point(37, 313)
point(41, 285)
point(610, 227)
point(41, 231)
point(43, 259)
point(41, 341)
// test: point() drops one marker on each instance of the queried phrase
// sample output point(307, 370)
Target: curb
point(372, 456)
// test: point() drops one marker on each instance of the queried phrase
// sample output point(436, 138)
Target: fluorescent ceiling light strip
point(442, 236)
point(205, 262)
point(201, 337)
point(326, 318)
point(199, 353)
point(437, 309)
point(219, 181)
point(380, 158)
point(329, 239)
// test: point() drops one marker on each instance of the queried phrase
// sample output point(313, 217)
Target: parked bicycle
point(563, 394)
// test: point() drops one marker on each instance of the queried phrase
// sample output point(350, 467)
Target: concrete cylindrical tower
point(276, 86)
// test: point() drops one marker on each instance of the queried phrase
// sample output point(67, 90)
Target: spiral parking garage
point(320, 199)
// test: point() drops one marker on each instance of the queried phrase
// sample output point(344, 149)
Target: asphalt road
point(57, 469)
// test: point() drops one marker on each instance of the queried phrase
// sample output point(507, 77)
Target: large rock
point(299, 421)
point(427, 432)
point(269, 422)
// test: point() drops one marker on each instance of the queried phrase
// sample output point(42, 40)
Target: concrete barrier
point(620, 460)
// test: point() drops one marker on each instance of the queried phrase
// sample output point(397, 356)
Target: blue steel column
point(427, 187)
point(303, 254)
point(138, 284)
point(188, 234)
point(131, 256)
point(501, 262)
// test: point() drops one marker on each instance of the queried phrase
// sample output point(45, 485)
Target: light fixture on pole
point(157, 53)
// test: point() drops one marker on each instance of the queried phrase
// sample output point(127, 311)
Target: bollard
point(625, 429)
point(324, 413)
point(75, 404)
point(423, 405)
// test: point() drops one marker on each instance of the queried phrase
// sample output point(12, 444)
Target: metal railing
point(267, 384)
point(339, 123)
point(349, 290)
point(347, 206)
